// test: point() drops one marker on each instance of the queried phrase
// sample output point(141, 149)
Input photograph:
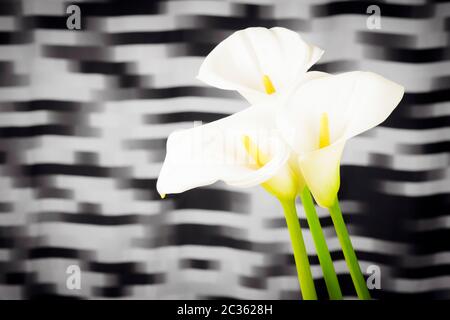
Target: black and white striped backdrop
point(84, 117)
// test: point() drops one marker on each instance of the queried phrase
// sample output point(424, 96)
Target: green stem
point(300, 255)
point(329, 273)
point(349, 252)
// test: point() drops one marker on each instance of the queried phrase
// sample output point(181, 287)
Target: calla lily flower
point(323, 113)
point(243, 150)
point(258, 62)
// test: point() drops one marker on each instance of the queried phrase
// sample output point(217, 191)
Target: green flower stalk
point(300, 254)
point(349, 252)
point(329, 273)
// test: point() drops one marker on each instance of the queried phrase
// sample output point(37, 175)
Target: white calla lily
point(243, 150)
point(258, 62)
point(323, 113)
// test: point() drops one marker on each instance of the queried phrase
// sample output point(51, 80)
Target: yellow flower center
point(268, 85)
point(283, 185)
point(252, 149)
point(324, 133)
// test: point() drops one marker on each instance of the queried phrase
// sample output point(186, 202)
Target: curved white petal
point(353, 101)
point(320, 170)
point(215, 151)
point(373, 100)
point(241, 60)
point(297, 119)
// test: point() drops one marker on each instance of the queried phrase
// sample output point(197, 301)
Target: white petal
point(320, 170)
point(298, 56)
point(353, 101)
point(373, 100)
point(296, 118)
point(240, 61)
point(215, 151)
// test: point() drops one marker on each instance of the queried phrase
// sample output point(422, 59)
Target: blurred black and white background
point(84, 117)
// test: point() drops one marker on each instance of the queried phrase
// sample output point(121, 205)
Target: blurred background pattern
point(83, 125)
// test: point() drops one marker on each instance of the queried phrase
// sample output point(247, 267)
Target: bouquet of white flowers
point(290, 140)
